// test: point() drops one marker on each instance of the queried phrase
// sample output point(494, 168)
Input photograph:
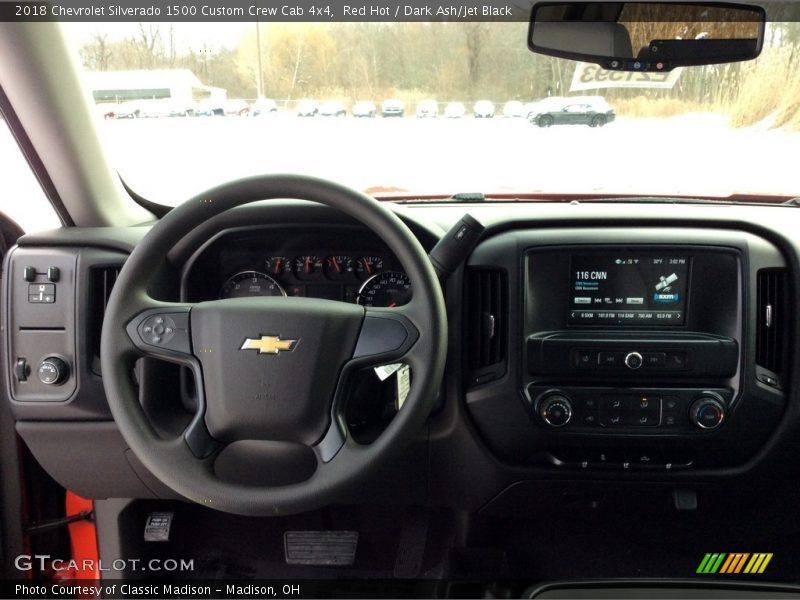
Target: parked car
point(237, 108)
point(364, 108)
point(128, 110)
point(427, 109)
point(454, 110)
point(513, 109)
point(483, 109)
point(333, 108)
point(583, 110)
point(105, 110)
point(307, 108)
point(263, 106)
point(393, 108)
point(209, 108)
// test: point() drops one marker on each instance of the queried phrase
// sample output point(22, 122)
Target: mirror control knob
point(556, 410)
point(53, 371)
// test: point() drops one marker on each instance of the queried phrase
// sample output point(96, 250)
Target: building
point(180, 86)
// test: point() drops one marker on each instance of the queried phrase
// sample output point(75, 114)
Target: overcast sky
point(187, 35)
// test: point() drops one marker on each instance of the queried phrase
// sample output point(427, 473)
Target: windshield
point(426, 109)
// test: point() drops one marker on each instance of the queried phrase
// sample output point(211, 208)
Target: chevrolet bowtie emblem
point(268, 344)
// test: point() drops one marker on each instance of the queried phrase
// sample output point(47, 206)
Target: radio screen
point(628, 289)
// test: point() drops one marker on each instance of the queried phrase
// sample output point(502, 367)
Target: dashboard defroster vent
point(772, 322)
point(101, 282)
point(486, 324)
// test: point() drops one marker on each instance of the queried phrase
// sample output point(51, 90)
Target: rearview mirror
point(647, 36)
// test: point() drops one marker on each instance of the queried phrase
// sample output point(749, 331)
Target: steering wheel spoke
point(387, 335)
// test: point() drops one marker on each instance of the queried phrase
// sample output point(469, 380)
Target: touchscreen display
point(628, 289)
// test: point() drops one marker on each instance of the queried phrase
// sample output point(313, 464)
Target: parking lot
point(170, 159)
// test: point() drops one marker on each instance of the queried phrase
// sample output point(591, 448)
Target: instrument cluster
point(367, 279)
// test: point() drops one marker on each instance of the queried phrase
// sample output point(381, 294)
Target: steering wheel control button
point(633, 360)
point(166, 330)
point(158, 329)
point(53, 371)
point(556, 410)
point(707, 412)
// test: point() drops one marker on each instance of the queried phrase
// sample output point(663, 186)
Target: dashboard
point(587, 343)
point(343, 264)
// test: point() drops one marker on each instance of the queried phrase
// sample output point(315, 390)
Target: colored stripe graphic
point(703, 563)
point(729, 562)
point(734, 563)
point(764, 564)
point(741, 562)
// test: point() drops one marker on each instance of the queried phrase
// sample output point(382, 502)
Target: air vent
point(486, 323)
point(101, 282)
point(772, 322)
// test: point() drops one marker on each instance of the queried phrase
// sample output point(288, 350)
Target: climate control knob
point(555, 410)
point(53, 371)
point(707, 412)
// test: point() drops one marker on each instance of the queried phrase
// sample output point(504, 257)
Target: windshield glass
point(425, 109)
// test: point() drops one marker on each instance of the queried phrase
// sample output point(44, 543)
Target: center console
point(653, 352)
point(628, 355)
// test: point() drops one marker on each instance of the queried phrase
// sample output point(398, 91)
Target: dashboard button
point(645, 419)
point(655, 359)
point(647, 403)
point(676, 360)
point(609, 359)
point(615, 411)
point(584, 359)
point(633, 360)
point(590, 419)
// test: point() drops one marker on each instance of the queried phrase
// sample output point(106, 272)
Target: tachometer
point(250, 283)
point(389, 289)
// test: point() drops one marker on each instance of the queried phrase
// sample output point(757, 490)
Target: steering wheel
point(271, 373)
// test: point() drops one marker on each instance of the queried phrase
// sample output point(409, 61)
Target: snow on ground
point(171, 159)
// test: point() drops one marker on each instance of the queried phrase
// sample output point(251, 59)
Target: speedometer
point(250, 283)
point(389, 289)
